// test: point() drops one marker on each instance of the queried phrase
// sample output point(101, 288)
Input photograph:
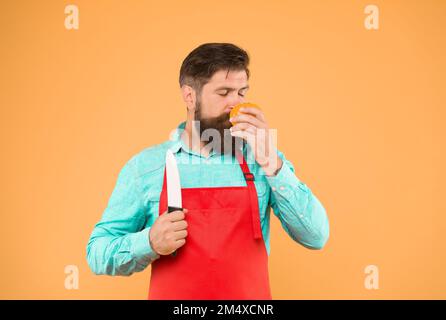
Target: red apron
point(224, 256)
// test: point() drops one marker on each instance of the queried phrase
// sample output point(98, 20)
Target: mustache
point(223, 120)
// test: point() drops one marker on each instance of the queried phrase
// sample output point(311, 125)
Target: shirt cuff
point(141, 246)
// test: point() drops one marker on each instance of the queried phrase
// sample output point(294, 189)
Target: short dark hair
point(205, 60)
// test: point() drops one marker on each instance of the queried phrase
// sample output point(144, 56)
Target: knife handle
point(169, 210)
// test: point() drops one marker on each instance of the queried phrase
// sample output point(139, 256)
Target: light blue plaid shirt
point(119, 243)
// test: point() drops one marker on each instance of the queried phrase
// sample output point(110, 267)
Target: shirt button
point(273, 188)
point(282, 188)
point(301, 216)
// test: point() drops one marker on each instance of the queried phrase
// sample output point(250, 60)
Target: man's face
point(223, 91)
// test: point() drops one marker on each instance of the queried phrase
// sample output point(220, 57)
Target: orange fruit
point(236, 110)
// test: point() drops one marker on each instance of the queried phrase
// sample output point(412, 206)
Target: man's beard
point(220, 126)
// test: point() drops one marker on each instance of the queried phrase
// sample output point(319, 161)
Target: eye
point(223, 94)
point(242, 93)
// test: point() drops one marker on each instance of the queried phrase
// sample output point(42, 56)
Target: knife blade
point(174, 201)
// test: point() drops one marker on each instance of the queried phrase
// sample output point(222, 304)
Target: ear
point(189, 96)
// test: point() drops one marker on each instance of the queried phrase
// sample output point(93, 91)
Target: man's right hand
point(168, 232)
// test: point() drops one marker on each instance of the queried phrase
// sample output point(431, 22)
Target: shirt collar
point(177, 142)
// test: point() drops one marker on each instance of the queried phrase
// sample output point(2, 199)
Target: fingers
point(179, 225)
point(177, 215)
point(179, 243)
point(253, 111)
point(248, 119)
point(245, 131)
point(244, 126)
point(168, 232)
point(178, 235)
point(248, 136)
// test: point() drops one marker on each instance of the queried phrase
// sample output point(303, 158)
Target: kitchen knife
point(174, 202)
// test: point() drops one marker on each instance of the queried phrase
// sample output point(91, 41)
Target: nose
point(234, 102)
point(228, 109)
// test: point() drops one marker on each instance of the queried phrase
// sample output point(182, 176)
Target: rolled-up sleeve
point(301, 214)
point(119, 243)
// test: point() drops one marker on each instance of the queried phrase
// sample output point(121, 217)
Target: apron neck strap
point(253, 199)
point(249, 177)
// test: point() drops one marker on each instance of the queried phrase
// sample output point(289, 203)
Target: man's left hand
point(252, 127)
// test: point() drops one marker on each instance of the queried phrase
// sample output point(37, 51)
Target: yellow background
point(360, 113)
